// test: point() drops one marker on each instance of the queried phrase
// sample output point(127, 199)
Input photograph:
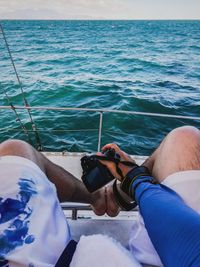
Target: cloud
point(98, 9)
point(61, 8)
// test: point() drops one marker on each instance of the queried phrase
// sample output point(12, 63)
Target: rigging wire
point(52, 130)
point(34, 128)
point(17, 116)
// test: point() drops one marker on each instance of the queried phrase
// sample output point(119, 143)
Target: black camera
point(95, 174)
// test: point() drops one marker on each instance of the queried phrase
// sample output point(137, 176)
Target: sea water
point(146, 66)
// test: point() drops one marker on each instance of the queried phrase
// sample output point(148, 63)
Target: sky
point(99, 9)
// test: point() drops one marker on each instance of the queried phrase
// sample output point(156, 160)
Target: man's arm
point(173, 227)
point(71, 189)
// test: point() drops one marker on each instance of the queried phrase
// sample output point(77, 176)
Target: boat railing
point(75, 208)
point(100, 111)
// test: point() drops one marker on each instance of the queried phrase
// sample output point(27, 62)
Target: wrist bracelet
point(138, 174)
point(124, 205)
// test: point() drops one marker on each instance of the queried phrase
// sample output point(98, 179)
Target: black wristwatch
point(133, 178)
point(142, 174)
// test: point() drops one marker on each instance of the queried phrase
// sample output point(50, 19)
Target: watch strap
point(134, 177)
point(124, 205)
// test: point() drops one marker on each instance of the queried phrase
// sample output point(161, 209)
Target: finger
point(112, 168)
point(115, 147)
point(110, 165)
point(111, 145)
point(99, 154)
point(123, 155)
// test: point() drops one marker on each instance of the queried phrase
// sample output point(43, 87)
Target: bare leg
point(22, 149)
point(179, 151)
point(68, 187)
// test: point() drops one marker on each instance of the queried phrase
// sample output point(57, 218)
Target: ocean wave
point(143, 66)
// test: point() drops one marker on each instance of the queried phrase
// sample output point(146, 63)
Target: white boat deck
point(71, 161)
point(80, 217)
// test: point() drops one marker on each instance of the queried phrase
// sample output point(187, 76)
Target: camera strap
point(124, 205)
point(117, 161)
point(121, 201)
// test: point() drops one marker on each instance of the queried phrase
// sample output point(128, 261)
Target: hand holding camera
point(124, 158)
point(100, 169)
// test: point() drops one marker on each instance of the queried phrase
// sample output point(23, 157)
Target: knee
point(14, 147)
point(185, 135)
point(22, 149)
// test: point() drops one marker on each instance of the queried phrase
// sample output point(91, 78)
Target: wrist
point(133, 177)
point(125, 169)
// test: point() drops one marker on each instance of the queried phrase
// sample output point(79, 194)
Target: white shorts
point(187, 185)
point(33, 228)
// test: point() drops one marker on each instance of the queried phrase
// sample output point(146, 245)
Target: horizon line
point(73, 19)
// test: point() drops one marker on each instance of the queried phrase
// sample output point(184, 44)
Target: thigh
point(22, 149)
point(180, 151)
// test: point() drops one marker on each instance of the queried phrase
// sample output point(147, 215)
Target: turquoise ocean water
point(148, 66)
